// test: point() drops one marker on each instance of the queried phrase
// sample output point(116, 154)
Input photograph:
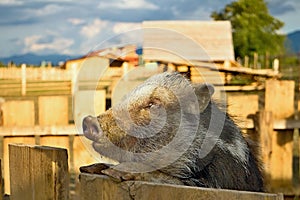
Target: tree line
point(255, 32)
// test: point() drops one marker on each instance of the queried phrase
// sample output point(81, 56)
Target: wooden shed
point(203, 50)
point(188, 40)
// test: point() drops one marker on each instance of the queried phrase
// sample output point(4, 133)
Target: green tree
point(253, 28)
point(2, 65)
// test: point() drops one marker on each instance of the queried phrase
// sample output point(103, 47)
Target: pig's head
point(164, 108)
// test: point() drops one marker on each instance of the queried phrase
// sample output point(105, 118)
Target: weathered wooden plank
point(14, 112)
point(237, 88)
point(44, 172)
point(265, 129)
point(283, 124)
point(15, 88)
point(39, 130)
point(53, 110)
point(236, 68)
point(56, 141)
point(102, 188)
point(241, 110)
point(6, 142)
point(35, 73)
point(191, 40)
point(278, 124)
point(204, 75)
point(144, 191)
point(279, 99)
point(1, 182)
point(296, 156)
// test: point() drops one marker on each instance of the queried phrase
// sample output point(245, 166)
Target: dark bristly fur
point(229, 164)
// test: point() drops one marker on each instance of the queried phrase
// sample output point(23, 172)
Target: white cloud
point(128, 33)
point(57, 1)
point(48, 10)
point(10, 2)
point(93, 29)
point(124, 27)
point(128, 4)
point(32, 39)
point(76, 21)
point(58, 44)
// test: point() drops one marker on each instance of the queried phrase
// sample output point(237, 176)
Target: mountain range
point(294, 41)
point(34, 59)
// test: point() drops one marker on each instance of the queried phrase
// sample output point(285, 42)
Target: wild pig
point(167, 130)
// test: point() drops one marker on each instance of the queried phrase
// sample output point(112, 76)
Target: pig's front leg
point(95, 168)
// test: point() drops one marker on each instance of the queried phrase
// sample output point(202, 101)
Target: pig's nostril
point(85, 123)
point(94, 128)
point(91, 128)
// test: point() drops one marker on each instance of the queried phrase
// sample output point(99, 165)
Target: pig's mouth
point(91, 128)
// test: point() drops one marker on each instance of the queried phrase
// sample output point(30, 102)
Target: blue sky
point(77, 27)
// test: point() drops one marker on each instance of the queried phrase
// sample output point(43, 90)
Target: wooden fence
point(48, 81)
point(35, 73)
point(45, 176)
point(46, 122)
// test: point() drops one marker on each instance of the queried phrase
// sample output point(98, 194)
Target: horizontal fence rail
point(34, 73)
point(14, 87)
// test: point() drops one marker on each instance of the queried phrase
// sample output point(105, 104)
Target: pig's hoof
point(95, 168)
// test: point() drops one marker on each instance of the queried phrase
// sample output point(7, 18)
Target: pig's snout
point(91, 128)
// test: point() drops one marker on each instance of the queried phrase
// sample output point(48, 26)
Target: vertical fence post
point(38, 172)
point(296, 142)
point(74, 79)
point(276, 65)
point(246, 61)
point(279, 99)
point(255, 60)
point(296, 161)
point(267, 60)
point(125, 70)
point(1, 183)
point(265, 128)
point(23, 67)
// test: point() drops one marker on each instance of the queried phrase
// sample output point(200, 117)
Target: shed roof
point(188, 40)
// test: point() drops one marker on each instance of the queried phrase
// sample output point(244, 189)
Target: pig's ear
point(204, 93)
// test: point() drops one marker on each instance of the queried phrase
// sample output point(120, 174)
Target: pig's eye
point(150, 104)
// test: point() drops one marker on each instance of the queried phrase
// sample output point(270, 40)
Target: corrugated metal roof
point(188, 40)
